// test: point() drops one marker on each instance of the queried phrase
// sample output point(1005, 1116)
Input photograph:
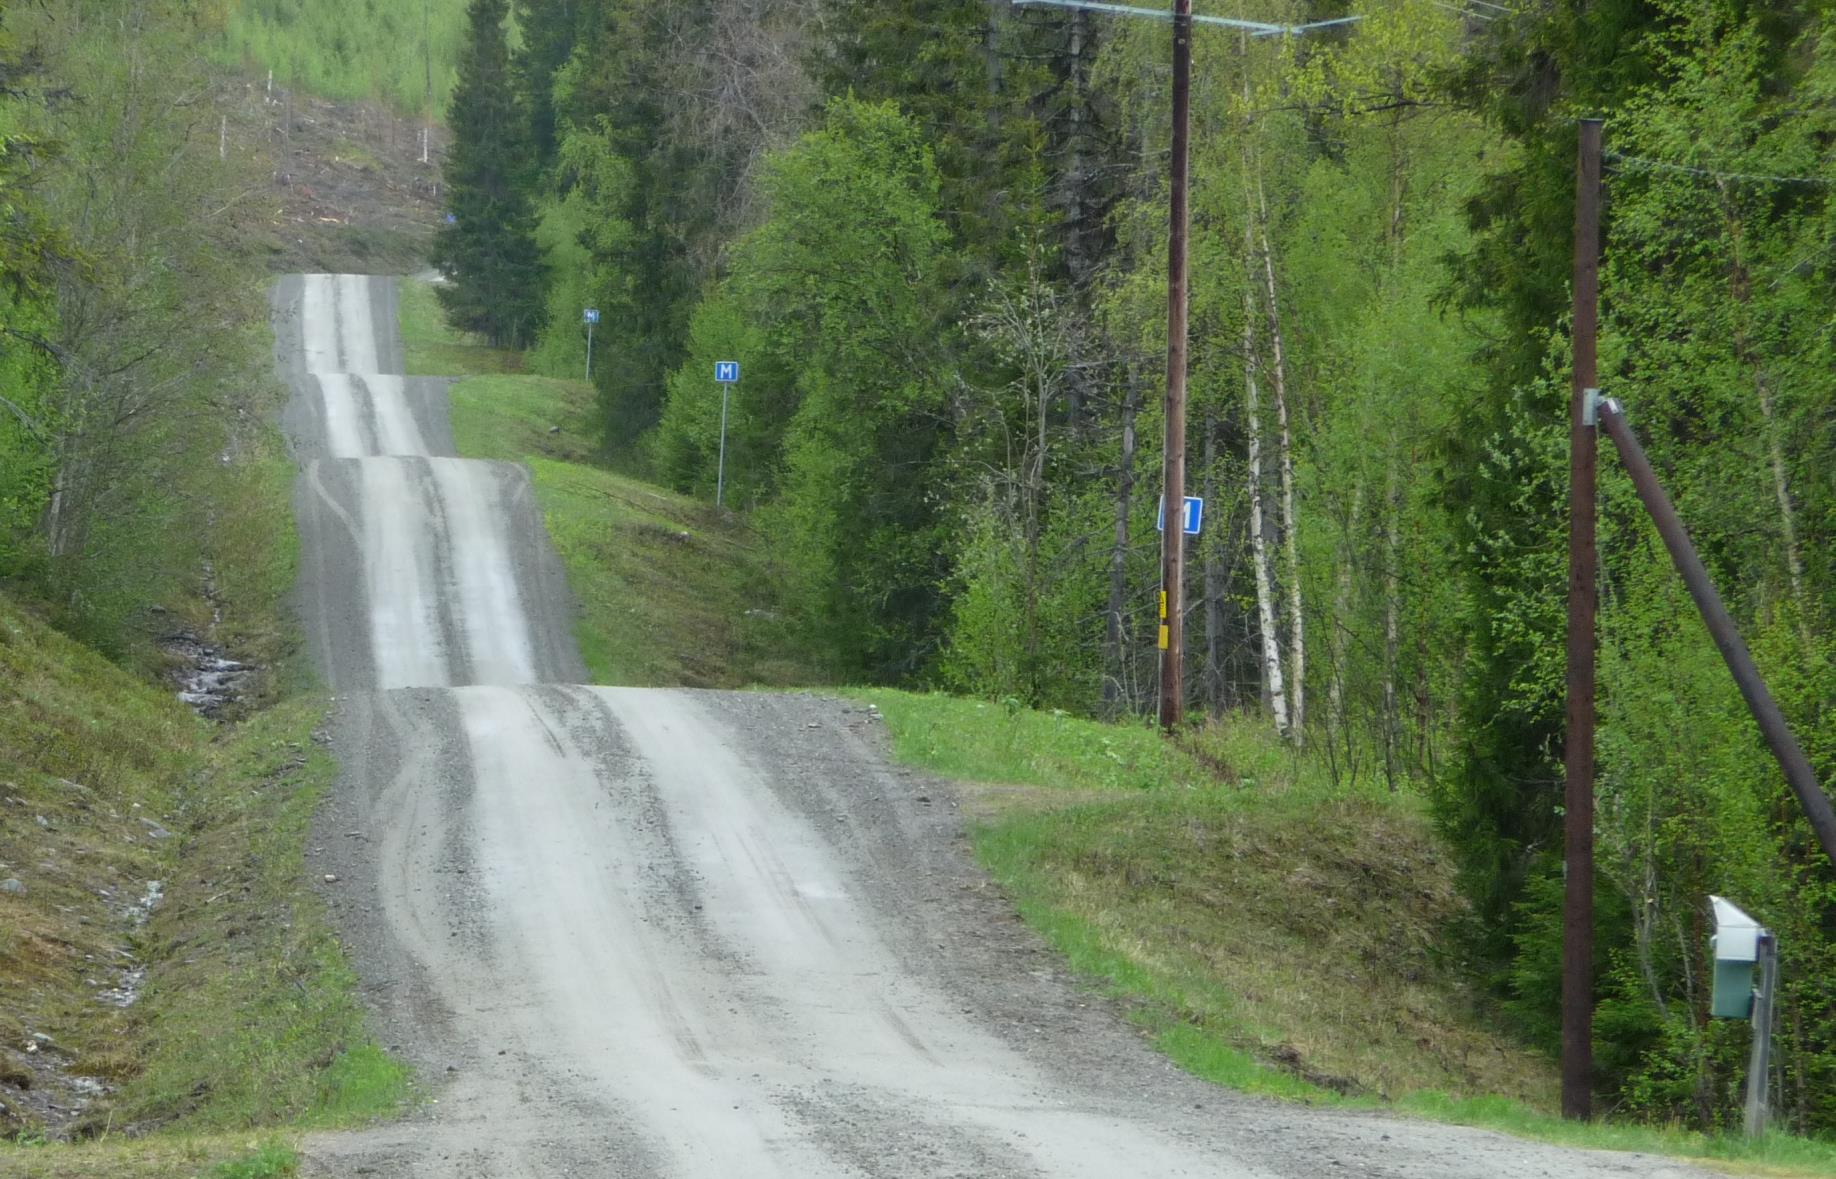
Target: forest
point(133, 407)
point(934, 234)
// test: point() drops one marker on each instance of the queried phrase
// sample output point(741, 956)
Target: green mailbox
point(1746, 982)
point(1736, 946)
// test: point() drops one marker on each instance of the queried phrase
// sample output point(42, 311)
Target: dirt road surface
point(646, 933)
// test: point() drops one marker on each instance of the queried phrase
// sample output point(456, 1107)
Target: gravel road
point(636, 933)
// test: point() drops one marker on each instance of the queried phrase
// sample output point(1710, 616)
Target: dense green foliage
point(127, 330)
point(933, 231)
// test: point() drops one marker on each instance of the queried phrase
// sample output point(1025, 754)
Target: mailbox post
point(1742, 946)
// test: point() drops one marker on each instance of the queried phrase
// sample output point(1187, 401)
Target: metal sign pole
point(720, 476)
point(726, 374)
point(1759, 1065)
point(589, 372)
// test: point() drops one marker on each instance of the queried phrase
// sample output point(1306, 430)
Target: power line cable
point(1467, 12)
point(1644, 163)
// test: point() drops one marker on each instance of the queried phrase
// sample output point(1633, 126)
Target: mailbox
point(1736, 946)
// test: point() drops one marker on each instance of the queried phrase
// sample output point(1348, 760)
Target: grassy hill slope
point(337, 49)
point(169, 985)
point(671, 591)
point(151, 854)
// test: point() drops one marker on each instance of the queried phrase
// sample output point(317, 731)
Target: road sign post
point(726, 374)
point(590, 317)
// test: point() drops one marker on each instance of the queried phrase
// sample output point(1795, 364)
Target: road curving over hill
point(631, 932)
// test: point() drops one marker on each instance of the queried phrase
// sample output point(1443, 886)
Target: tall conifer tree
point(550, 29)
point(487, 249)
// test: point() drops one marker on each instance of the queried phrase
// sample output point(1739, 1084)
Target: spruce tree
point(487, 248)
point(549, 28)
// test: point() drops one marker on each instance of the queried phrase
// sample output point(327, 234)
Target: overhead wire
point(1463, 10)
point(1645, 163)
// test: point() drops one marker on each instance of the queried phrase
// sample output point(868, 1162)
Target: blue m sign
point(726, 372)
point(1193, 519)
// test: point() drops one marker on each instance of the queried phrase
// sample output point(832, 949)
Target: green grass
point(430, 348)
point(268, 1161)
point(162, 1156)
point(671, 591)
point(1773, 1154)
point(362, 1083)
point(89, 749)
point(349, 51)
point(1270, 930)
point(517, 417)
point(986, 742)
point(256, 1011)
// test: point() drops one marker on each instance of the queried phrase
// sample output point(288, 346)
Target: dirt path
point(658, 933)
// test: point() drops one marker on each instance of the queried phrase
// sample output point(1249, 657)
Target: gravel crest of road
point(421, 572)
point(638, 932)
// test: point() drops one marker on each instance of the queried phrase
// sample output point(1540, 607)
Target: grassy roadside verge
point(161, 950)
point(670, 591)
point(430, 348)
point(1270, 932)
point(246, 1016)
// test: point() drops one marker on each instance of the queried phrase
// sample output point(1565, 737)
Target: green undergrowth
point(254, 556)
point(1268, 928)
point(270, 1160)
point(671, 591)
point(254, 1009)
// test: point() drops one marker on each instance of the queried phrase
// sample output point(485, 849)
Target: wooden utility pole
point(1173, 514)
point(1583, 562)
point(1172, 537)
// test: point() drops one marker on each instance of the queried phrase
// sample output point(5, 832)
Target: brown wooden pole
point(1578, 745)
point(1172, 536)
point(1721, 628)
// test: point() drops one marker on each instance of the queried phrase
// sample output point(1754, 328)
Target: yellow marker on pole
point(1163, 636)
point(1163, 605)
